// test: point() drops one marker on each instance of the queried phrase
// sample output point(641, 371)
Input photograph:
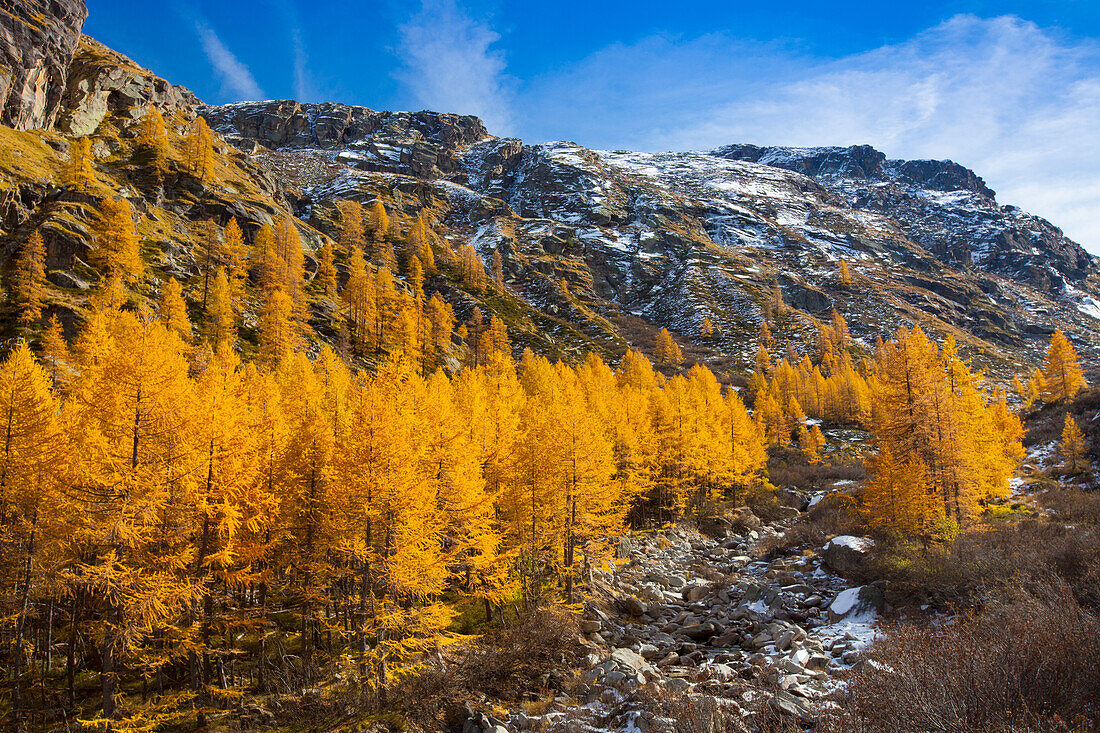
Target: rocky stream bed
point(692, 616)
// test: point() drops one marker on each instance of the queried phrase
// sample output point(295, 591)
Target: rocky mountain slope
point(600, 248)
point(641, 239)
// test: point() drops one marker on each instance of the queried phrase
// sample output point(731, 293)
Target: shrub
point(1072, 505)
point(1024, 665)
point(504, 664)
point(983, 563)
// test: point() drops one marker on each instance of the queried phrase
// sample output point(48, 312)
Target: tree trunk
point(21, 628)
point(108, 676)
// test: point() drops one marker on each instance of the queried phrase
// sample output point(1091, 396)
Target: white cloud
point(1016, 102)
point(236, 78)
point(450, 65)
point(303, 83)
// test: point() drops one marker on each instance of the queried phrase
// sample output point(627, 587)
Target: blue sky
point(1011, 89)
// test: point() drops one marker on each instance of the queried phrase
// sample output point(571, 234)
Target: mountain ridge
point(608, 246)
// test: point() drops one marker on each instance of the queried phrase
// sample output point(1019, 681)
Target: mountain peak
point(861, 162)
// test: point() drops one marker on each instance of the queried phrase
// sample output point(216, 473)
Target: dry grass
point(509, 664)
point(1024, 665)
point(1072, 506)
point(983, 563)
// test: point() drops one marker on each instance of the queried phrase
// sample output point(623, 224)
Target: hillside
point(600, 248)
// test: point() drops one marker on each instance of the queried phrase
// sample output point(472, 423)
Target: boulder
point(862, 602)
point(845, 554)
point(631, 605)
point(700, 632)
point(694, 593)
point(66, 279)
point(742, 519)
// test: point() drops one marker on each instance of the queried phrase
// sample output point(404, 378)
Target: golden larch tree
point(278, 335)
point(28, 279)
point(667, 351)
point(844, 275)
point(172, 309)
point(1073, 446)
point(198, 149)
point(1062, 374)
point(350, 213)
point(706, 329)
point(78, 173)
point(117, 251)
point(326, 269)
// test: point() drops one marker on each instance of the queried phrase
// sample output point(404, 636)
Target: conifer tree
point(496, 340)
point(844, 275)
point(236, 256)
point(221, 322)
point(278, 337)
point(351, 224)
point(706, 330)
point(811, 441)
point(326, 269)
point(441, 318)
point(667, 352)
point(209, 255)
point(199, 150)
point(117, 251)
point(55, 357)
point(1062, 374)
point(1073, 446)
point(130, 416)
point(379, 221)
point(265, 265)
point(153, 136)
point(359, 299)
point(28, 279)
point(497, 270)
point(172, 310)
point(78, 173)
point(32, 448)
point(897, 497)
point(472, 268)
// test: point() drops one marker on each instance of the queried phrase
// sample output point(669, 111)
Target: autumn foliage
point(171, 506)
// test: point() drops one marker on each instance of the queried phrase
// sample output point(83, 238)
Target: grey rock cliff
point(37, 40)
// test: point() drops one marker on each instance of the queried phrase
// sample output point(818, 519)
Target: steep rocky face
point(102, 82)
point(421, 143)
point(37, 39)
point(940, 205)
point(610, 240)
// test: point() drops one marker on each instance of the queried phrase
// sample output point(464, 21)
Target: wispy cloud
point(1016, 102)
point(450, 64)
point(237, 80)
point(303, 83)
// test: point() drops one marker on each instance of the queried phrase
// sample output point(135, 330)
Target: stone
point(865, 600)
point(669, 659)
point(844, 554)
point(700, 632)
point(631, 660)
point(694, 593)
point(590, 627)
point(420, 144)
point(101, 81)
point(37, 40)
point(796, 707)
point(631, 605)
point(66, 279)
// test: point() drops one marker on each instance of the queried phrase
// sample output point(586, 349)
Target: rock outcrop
point(101, 82)
point(423, 144)
point(37, 40)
